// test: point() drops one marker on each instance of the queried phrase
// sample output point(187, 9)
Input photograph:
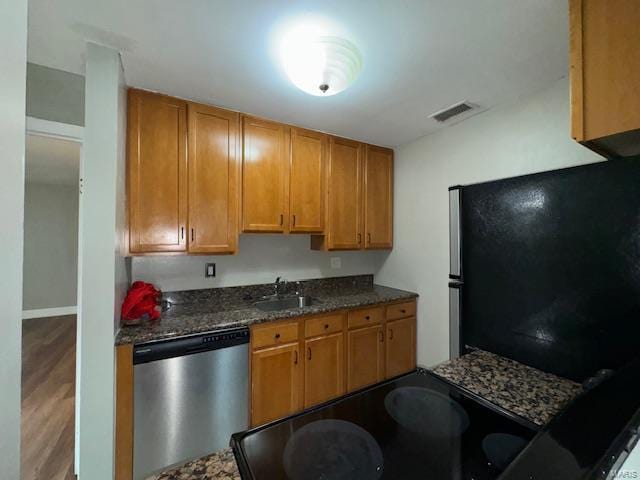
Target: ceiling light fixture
point(320, 64)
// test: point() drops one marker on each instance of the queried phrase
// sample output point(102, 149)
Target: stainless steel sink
point(284, 303)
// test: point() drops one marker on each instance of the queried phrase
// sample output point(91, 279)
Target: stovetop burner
point(425, 411)
point(332, 450)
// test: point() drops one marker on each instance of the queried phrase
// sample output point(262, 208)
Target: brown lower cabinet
point(365, 364)
point(300, 363)
point(324, 369)
point(399, 334)
point(275, 369)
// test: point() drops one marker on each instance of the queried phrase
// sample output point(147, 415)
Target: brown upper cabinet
point(344, 197)
point(157, 173)
point(359, 198)
point(199, 175)
point(180, 202)
point(378, 198)
point(605, 75)
point(265, 174)
point(307, 180)
point(283, 178)
point(214, 179)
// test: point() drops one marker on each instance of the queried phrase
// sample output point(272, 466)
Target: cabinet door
point(265, 168)
point(324, 369)
point(605, 74)
point(214, 176)
point(275, 383)
point(157, 169)
point(307, 181)
point(365, 357)
point(344, 231)
point(400, 346)
point(378, 198)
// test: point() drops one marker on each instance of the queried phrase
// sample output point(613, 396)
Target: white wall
point(122, 262)
point(55, 95)
point(529, 136)
point(50, 246)
point(260, 260)
point(100, 262)
point(13, 63)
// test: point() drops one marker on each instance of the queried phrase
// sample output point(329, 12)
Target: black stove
point(413, 427)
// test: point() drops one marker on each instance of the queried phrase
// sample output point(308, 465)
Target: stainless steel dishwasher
point(190, 395)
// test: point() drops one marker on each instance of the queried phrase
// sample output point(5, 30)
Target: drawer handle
point(326, 326)
point(277, 336)
point(367, 317)
point(309, 353)
point(403, 311)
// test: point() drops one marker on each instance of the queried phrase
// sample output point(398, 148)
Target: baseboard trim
point(49, 312)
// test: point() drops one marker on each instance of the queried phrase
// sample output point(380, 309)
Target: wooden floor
point(48, 391)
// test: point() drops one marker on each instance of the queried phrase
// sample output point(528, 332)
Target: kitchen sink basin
point(285, 303)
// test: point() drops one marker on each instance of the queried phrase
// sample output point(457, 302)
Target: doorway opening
point(50, 299)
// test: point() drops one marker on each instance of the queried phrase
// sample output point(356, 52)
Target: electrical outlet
point(210, 271)
point(336, 263)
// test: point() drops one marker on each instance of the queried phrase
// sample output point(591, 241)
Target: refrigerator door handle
point(454, 318)
point(455, 243)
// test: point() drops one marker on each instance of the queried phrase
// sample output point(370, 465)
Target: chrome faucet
point(279, 283)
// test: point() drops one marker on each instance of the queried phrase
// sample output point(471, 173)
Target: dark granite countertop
point(217, 466)
point(199, 311)
point(528, 392)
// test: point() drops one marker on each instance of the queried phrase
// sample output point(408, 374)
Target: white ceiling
point(52, 161)
point(419, 55)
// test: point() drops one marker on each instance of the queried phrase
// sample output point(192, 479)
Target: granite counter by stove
point(532, 394)
point(218, 466)
point(200, 311)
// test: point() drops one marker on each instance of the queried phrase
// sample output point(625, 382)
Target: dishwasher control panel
point(189, 345)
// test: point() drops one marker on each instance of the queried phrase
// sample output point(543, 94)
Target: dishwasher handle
point(179, 347)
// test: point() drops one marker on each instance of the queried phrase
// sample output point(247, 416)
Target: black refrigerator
point(545, 268)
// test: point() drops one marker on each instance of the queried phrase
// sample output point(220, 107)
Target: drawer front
point(365, 317)
point(401, 310)
point(323, 325)
point(269, 335)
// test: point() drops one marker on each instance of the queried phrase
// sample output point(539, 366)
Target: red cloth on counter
point(142, 299)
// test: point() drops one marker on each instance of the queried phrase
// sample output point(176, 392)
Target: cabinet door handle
point(294, 220)
point(326, 326)
point(182, 233)
point(359, 238)
point(193, 234)
point(309, 353)
point(403, 311)
point(281, 219)
point(295, 357)
point(369, 238)
point(277, 336)
point(391, 334)
point(381, 336)
point(367, 317)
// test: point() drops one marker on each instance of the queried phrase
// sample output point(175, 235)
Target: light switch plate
point(336, 263)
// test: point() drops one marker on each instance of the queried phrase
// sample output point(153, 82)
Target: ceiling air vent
point(452, 111)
